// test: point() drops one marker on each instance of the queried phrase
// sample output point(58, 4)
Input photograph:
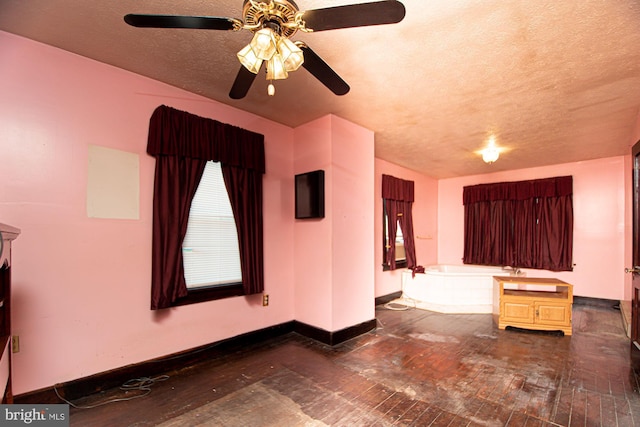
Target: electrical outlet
point(15, 344)
point(265, 300)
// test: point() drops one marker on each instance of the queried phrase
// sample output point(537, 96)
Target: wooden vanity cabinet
point(533, 303)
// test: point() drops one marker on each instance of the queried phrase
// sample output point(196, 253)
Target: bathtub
point(452, 288)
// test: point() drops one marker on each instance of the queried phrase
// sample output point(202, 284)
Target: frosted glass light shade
point(249, 59)
point(291, 54)
point(276, 69)
point(264, 44)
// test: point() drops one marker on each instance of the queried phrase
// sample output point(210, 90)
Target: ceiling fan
point(273, 23)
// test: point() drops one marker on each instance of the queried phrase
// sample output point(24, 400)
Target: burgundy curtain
point(245, 193)
point(527, 224)
point(182, 143)
point(398, 195)
point(176, 182)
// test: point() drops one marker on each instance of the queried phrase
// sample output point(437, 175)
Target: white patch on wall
point(113, 184)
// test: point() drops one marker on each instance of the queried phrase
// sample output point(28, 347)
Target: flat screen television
point(310, 195)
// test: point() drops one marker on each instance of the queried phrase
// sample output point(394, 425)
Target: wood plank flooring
point(418, 368)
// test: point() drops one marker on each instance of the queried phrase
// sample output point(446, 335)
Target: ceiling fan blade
point(354, 15)
point(321, 71)
point(176, 21)
point(242, 84)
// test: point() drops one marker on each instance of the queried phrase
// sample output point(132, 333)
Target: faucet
point(513, 271)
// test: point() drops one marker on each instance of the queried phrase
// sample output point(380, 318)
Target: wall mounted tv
point(310, 195)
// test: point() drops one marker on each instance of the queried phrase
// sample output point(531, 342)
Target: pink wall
point(312, 151)
point(599, 222)
point(81, 285)
point(425, 223)
point(352, 219)
point(333, 259)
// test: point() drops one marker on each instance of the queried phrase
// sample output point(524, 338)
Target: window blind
point(210, 249)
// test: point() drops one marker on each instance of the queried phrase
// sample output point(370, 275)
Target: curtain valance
point(519, 190)
point(178, 133)
point(397, 189)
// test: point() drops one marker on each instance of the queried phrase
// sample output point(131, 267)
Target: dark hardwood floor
point(418, 368)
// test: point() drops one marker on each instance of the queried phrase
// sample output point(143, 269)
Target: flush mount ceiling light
point(491, 153)
point(273, 23)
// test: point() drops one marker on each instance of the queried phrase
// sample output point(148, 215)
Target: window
point(397, 201)
point(210, 252)
point(182, 145)
point(400, 253)
point(524, 224)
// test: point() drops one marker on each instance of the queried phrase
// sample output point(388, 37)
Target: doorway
point(635, 269)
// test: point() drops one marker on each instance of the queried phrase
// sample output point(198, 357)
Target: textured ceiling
point(554, 80)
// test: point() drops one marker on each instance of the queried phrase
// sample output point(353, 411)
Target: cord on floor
point(144, 384)
point(400, 306)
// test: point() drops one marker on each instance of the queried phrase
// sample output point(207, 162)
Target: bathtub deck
point(469, 308)
point(466, 295)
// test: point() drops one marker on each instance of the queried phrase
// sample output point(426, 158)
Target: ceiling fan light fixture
point(273, 23)
point(276, 68)
point(264, 44)
point(292, 55)
point(249, 59)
